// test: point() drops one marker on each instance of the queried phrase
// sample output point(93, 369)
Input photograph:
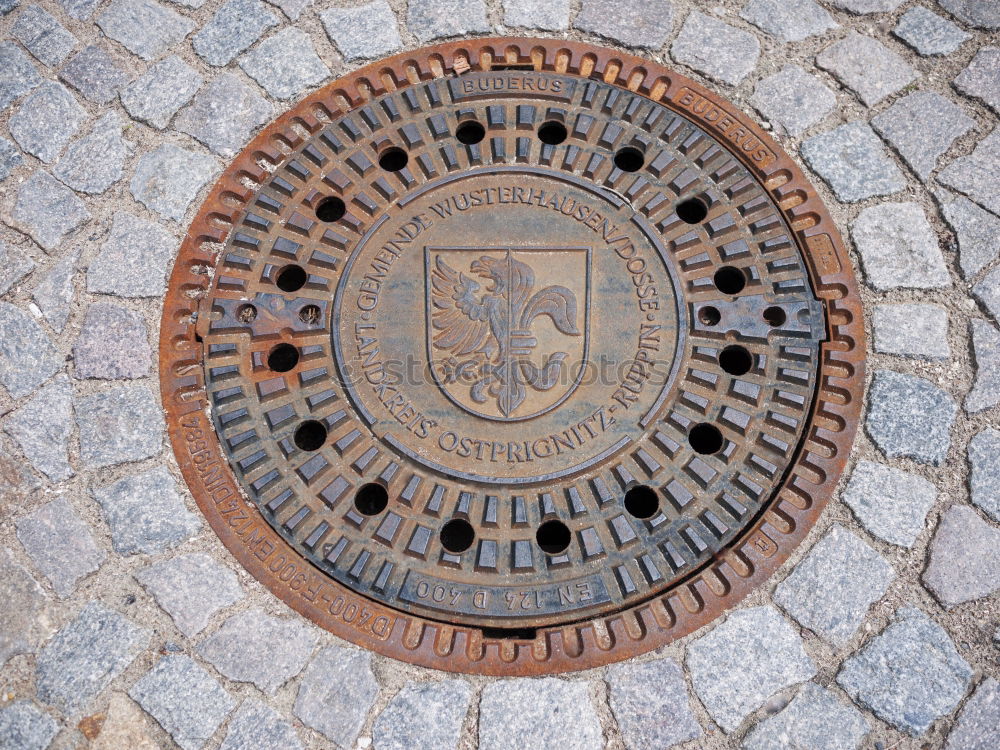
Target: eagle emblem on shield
point(504, 342)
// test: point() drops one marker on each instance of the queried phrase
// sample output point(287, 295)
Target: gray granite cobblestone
point(285, 75)
point(987, 291)
point(908, 416)
point(273, 649)
point(46, 120)
point(146, 513)
point(978, 725)
point(184, 699)
point(121, 424)
point(256, 725)
point(10, 158)
point(978, 174)
point(922, 126)
point(190, 588)
point(225, 114)
point(546, 712)
point(23, 726)
point(964, 558)
point(915, 330)
point(866, 6)
point(424, 714)
point(79, 9)
point(977, 231)
point(898, 248)
point(853, 162)
point(832, 588)
point(155, 97)
point(95, 74)
point(167, 179)
point(813, 720)
point(984, 14)
point(431, 19)
point(42, 428)
point(27, 355)
point(86, 655)
point(714, 48)
point(47, 211)
point(363, 32)
point(59, 544)
point(17, 75)
point(633, 23)
point(133, 260)
point(95, 162)
point(985, 393)
point(550, 15)
point(23, 601)
point(982, 78)
point(793, 100)
point(291, 8)
point(43, 36)
point(892, 504)
point(234, 27)
point(658, 717)
point(867, 67)
point(909, 675)
point(336, 692)
point(788, 20)
point(14, 266)
point(112, 344)
point(144, 27)
point(54, 293)
point(738, 664)
point(984, 477)
point(928, 33)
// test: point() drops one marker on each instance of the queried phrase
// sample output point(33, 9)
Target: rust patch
point(90, 726)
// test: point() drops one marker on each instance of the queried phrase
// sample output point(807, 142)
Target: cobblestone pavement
point(119, 608)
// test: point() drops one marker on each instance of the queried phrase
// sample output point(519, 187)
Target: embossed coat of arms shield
point(507, 328)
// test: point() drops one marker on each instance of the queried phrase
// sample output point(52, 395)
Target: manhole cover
point(512, 356)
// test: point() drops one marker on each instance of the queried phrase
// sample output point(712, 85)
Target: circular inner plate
point(512, 356)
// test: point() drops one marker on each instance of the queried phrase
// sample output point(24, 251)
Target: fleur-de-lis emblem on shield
point(500, 347)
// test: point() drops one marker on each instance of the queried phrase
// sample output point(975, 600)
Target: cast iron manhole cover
point(512, 356)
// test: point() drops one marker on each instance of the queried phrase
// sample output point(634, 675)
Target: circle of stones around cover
point(697, 452)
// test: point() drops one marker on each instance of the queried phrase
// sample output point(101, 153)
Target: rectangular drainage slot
point(513, 66)
point(516, 634)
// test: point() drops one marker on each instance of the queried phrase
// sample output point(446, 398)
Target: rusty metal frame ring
point(721, 583)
